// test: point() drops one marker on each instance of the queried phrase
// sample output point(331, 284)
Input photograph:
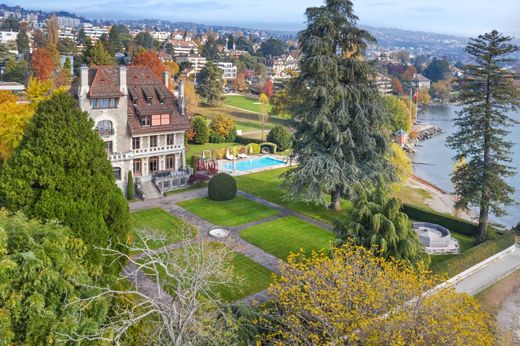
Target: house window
point(136, 143)
point(117, 173)
point(153, 164)
point(160, 119)
point(170, 139)
point(153, 141)
point(137, 167)
point(170, 162)
point(105, 128)
point(146, 120)
point(104, 103)
point(109, 147)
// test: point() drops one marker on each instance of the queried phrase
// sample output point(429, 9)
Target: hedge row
point(246, 140)
point(452, 223)
point(476, 254)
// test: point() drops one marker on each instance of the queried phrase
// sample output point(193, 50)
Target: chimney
point(180, 102)
point(122, 80)
point(83, 78)
point(165, 76)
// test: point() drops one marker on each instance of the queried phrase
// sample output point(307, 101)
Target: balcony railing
point(158, 149)
point(105, 132)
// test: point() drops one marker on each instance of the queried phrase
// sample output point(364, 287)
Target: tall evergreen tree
point(210, 84)
point(60, 171)
point(99, 55)
point(487, 96)
point(22, 41)
point(337, 111)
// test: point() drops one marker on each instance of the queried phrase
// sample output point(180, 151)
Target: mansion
point(141, 122)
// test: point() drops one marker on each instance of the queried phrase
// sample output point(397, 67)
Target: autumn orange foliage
point(150, 59)
point(42, 64)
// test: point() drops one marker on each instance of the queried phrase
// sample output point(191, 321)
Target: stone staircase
point(150, 190)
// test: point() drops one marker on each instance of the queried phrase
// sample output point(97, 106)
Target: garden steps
point(150, 191)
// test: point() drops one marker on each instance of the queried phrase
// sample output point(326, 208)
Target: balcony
point(105, 132)
point(116, 157)
point(157, 150)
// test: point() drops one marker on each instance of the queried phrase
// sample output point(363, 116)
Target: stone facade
point(139, 119)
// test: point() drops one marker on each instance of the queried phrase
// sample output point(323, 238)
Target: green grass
point(412, 196)
point(195, 186)
point(286, 235)
point(251, 278)
point(199, 148)
point(235, 212)
point(267, 185)
point(245, 102)
point(160, 223)
point(465, 243)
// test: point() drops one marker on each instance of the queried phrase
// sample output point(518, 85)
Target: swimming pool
point(247, 165)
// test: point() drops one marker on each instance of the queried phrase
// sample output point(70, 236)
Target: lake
point(434, 160)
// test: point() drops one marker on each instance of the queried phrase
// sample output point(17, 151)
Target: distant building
point(420, 82)
point(181, 47)
point(141, 122)
point(68, 22)
point(383, 84)
point(94, 32)
point(160, 35)
point(8, 36)
point(164, 56)
point(401, 137)
point(12, 86)
point(280, 66)
point(197, 62)
point(230, 71)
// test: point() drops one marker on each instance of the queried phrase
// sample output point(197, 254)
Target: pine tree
point(60, 171)
point(337, 111)
point(22, 41)
point(130, 193)
point(99, 55)
point(487, 96)
point(210, 84)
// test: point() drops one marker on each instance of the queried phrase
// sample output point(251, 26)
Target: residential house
point(280, 66)
point(8, 36)
point(181, 47)
point(383, 84)
point(420, 82)
point(230, 71)
point(160, 35)
point(141, 122)
point(197, 62)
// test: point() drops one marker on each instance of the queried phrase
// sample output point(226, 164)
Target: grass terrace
point(237, 211)
point(267, 186)
point(158, 222)
point(246, 102)
point(286, 235)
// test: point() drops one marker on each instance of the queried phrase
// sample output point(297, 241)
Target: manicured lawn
point(244, 120)
point(199, 148)
point(286, 235)
point(267, 185)
point(158, 222)
point(412, 196)
point(248, 103)
point(465, 243)
point(251, 278)
point(235, 212)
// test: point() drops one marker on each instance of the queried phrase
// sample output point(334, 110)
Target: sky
point(457, 17)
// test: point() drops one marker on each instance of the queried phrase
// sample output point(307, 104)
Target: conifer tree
point(210, 84)
point(487, 96)
point(337, 111)
point(60, 172)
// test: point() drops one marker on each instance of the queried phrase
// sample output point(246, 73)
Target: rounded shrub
point(280, 136)
point(222, 187)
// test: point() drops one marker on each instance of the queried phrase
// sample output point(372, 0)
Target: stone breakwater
point(429, 132)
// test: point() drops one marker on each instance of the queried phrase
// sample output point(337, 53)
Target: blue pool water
point(247, 165)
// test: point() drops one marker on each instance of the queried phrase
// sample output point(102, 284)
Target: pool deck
point(221, 164)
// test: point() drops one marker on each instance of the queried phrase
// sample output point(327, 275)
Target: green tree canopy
point(337, 111)
point(60, 171)
point(437, 70)
point(22, 41)
point(210, 49)
point(376, 221)
point(145, 40)
point(99, 55)
point(41, 266)
point(398, 114)
point(487, 96)
point(273, 47)
point(210, 84)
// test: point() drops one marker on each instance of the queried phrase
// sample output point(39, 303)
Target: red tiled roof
point(104, 84)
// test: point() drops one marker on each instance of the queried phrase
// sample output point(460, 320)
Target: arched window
point(153, 164)
point(105, 128)
point(117, 173)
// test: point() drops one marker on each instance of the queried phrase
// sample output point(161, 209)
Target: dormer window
point(146, 120)
point(148, 95)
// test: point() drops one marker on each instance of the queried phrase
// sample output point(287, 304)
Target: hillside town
point(173, 183)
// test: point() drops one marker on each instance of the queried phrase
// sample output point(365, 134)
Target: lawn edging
point(452, 223)
point(474, 255)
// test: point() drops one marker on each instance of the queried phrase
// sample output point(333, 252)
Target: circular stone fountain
point(219, 233)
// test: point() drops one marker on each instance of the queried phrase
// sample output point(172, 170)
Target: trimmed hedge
point(452, 223)
point(222, 187)
point(246, 140)
point(476, 254)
